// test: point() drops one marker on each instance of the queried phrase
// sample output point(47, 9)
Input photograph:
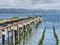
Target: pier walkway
point(17, 27)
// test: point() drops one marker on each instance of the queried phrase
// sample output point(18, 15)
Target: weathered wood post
point(18, 33)
point(3, 37)
point(20, 28)
point(23, 30)
point(29, 26)
point(34, 22)
point(21, 34)
point(8, 35)
point(55, 35)
point(13, 37)
point(40, 41)
point(16, 30)
point(14, 33)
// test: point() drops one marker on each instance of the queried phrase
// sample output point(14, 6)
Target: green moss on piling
point(42, 38)
point(55, 35)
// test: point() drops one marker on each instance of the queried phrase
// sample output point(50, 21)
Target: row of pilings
point(40, 41)
point(17, 32)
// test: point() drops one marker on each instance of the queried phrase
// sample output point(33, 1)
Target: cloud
point(45, 1)
point(33, 4)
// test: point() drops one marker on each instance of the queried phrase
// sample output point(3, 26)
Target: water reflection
point(36, 33)
point(32, 37)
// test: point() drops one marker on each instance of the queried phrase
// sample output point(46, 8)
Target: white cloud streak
point(31, 4)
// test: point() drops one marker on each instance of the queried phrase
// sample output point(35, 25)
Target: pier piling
point(8, 35)
point(3, 37)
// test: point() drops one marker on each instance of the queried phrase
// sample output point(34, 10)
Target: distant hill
point(26, 11)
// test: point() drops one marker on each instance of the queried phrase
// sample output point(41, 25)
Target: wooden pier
point(17, 27)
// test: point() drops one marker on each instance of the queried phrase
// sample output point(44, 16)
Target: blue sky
point(31, 4)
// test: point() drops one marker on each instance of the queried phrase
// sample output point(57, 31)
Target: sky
point(31, 4)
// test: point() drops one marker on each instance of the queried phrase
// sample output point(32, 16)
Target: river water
point(36, 33)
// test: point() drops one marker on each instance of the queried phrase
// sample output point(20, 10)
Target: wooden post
point(3, 37)
point(18, 32)
point(24, 30)
point(8, 35)
point(16, 36)
point(13, 37)
point(23, 27)
point(27, 26)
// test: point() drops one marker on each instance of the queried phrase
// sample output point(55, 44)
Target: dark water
point(37, 33)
